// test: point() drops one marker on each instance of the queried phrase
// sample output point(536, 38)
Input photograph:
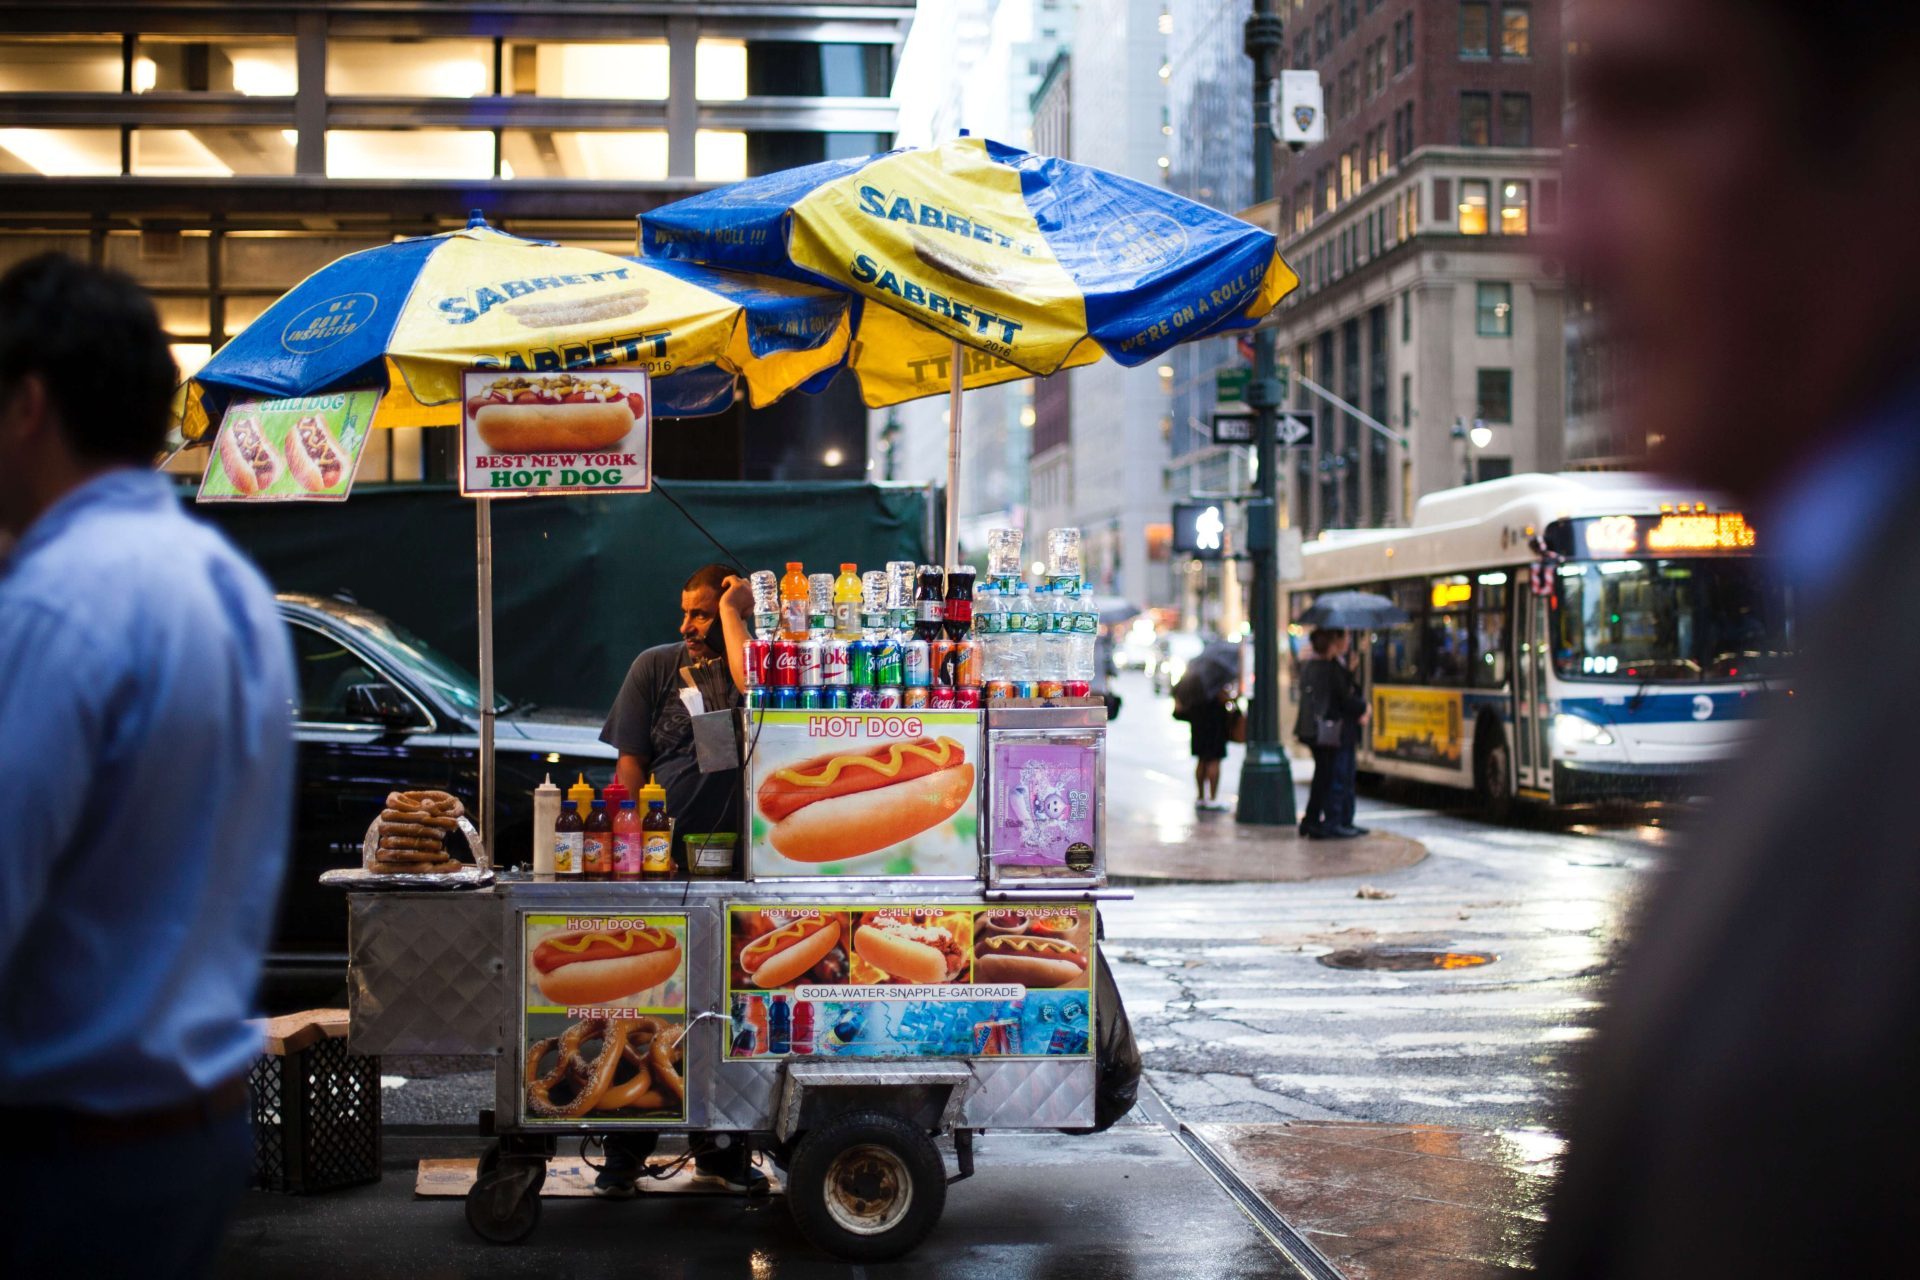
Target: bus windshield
point(1671, 620)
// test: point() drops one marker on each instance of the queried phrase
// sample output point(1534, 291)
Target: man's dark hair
point(93, 339)
point(709, 575)
point(1321, 640)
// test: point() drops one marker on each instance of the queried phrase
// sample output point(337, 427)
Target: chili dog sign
point(864, 793)
point(585, 431)
point(303, 449)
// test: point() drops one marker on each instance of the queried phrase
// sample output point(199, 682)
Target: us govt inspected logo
point(1141, 242)
point(325, 323)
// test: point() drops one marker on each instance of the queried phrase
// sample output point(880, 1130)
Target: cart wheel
point(866, 1186)
point(503, 1205)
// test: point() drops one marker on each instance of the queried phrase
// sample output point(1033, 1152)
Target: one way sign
point(1293, 427)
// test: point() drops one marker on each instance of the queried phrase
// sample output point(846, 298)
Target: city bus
point(1571, 638)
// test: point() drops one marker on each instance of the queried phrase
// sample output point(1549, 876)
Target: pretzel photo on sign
point(637, 1067)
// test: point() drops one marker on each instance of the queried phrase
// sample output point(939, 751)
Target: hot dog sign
point(305, 449)
point(579, 431)
point(857, 793)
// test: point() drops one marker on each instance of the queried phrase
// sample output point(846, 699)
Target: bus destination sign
point(1670, 533)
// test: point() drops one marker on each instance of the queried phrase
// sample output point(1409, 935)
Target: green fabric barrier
point(580, 584)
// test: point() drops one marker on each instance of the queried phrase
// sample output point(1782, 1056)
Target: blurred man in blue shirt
point(145, 787)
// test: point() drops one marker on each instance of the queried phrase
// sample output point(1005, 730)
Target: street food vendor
point(649, 724)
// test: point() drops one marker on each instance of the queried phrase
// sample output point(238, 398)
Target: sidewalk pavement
point(1401, 1202)
point(1180, 842)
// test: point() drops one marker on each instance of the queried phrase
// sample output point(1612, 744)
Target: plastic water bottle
point(1023, 632)
point(1056, 637)
point(1080, 648)
point(989, 628)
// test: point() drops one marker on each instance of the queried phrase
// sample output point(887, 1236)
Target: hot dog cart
point(769, 1010)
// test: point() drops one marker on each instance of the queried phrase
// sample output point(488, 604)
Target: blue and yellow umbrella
point(410, 316)
point(1036, 264)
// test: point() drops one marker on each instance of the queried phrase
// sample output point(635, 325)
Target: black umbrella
point(1353, 611)
point(1216, 667)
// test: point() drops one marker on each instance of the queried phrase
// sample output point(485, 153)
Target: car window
point(327, 669)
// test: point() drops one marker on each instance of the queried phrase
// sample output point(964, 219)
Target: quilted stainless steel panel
point(425, 973)
point(1030, 1093)
point(745, 1095)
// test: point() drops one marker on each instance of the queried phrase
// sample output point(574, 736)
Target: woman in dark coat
point(1328, 691)
point(1207, 721)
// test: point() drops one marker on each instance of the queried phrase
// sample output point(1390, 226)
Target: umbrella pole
point(956, 376)
point(483, 538)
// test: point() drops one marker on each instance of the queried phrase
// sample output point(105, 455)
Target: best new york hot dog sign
point(583, 431)
point(865, 793)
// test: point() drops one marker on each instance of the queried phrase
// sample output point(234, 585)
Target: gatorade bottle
point(793, 602)
point(846, 603)
point(580, 797)
point(626, 842)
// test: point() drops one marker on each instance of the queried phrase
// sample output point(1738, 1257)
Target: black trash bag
point(1117, 1080)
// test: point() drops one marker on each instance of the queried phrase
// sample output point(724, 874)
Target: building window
point(1413, 209)
point(1513, 207)
point(1346, 175)
point(257, 66)
point(772, 150)
point(1406, 393)
point(1476, 125)
point(1396, 46)
point(409, 153)
point(631, 70)
point(1406, 36)
point(61, 64)
point(1406, 317)
point(64, 153)
point(1516, 35)
point(1493, 309)
point(1493, 400)
point(1380, 148)
point(1516, 119)
point(594, 155)
point(1474, 196)
point(802, 69)
point(720, 70)
point(410, 69)
point(211, 152)
point(1443, 202)
point(1476, 29)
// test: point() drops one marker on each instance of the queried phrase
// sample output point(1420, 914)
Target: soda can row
point(941, 698)
point(786, 697)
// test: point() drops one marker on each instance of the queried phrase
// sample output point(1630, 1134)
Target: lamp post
point(1266, 779)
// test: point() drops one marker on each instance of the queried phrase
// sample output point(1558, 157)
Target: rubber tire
point(525, 1215)
point(807, 1185)
point(1496, 759)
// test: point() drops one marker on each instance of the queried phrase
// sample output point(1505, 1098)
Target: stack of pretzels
point(636, 1067)
point(412, 833)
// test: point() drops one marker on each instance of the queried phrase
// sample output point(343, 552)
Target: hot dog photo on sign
point(584, 430)
point(866, 795)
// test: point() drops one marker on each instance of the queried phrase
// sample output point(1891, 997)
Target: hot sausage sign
point(587, 431)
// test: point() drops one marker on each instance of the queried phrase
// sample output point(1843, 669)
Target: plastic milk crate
point(316, 1107)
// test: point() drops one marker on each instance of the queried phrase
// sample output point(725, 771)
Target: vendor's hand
point(1364, 714)
point(737, 595)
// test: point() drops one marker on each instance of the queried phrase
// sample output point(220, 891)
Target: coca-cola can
point(887, 698)
point(940, 654)
point(941, 698)
point(785, 666)
point(757, 656)
point(999, 689)
point(915, 696)
point(1076, 688)
point(966, 698)
point(916, 661)
point(865, 698)
point(835, 663)
point(813, 661)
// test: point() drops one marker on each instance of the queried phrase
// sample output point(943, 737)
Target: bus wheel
point(1493, 775)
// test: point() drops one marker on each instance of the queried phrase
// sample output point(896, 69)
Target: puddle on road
point(1405, 959)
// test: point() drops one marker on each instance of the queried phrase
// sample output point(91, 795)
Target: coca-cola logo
point(786, 662)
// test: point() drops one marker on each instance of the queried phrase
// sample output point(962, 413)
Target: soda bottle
point(757, 1020)
point(656, 834)
point(568, 842)
point(957, 612)
point(793, 602)
point(847, 596)
point(819, 604)
point(626, 842)
point(803, 1032)
point(779, 1026)
point(929, 604)
point(597, 843)
point(742, 1046)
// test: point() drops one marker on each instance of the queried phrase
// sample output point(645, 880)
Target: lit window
point(257, 66)
point(1516, 35)
point(60, 64)
point(410, 68)
point(65, 153)
point(1474, 195)
point(1513, 207)
point(190, 356)
point(719, 155)
point(409, 153)
point(1493, 309)
point(212, 152)
point(628, 70)
point(720, 70)
point(599, 156)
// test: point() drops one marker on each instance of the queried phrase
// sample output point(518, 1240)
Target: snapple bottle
point(626, 842)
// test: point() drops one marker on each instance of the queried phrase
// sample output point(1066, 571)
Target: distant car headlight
point(1571, 731)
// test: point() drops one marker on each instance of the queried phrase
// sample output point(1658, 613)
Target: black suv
point(380, 710)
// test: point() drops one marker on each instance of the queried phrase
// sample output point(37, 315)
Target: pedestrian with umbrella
point(1204, 698)
point(1332, 707)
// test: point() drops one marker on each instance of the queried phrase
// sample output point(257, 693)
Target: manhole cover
point(1407, 959)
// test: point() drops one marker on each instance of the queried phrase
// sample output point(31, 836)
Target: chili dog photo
point(913, 948)
point(1030, 960)
point(247, 457)
point(314, 456)
point(603, 965)
point(557, 413)
point(856, 800)
point(779, 952)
